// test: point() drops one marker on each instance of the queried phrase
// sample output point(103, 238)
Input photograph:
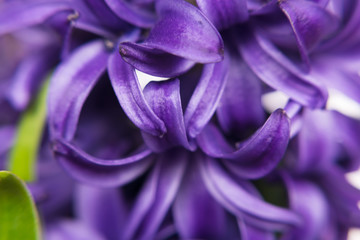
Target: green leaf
point(29, 133)
point(18, 215)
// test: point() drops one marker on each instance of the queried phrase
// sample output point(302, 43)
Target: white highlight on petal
point(354, 178)
point(145, 78)
point(343, 104)
point(354, 234)
point(274, 100)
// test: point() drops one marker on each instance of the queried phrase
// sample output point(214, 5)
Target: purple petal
point(315, 215)
point(343, 197)
point(320, 148)
point(348, 130)
point(258, 7)
point(348, 35)
point(196, 214)
point(164, 98)
point(100, 172)
point(102, 209)
point(240, 108)
point(224, 14)
point(7, 134)
point(311, 23)
point(71, 230)
point(184, 31)
point(131, 97)
point(249, 232)
point(89, 16)
point(317, 145)
point(156, 196)
point(333, 71)
point(205, 98)
point(104, 17)
point(240, 202)
point(277, 71)
point(71, 84)
point(132, 14)
point(53, 189)
point(21, 15)
point(256, 156)
point(153, 61)
point(29, 75)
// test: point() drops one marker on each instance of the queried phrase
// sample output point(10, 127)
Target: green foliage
point(18, 216)
point(29, 133)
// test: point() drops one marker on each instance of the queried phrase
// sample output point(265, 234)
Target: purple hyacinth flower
point(185, 158)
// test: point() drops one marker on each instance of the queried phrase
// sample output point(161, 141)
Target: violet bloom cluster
point(195, 156)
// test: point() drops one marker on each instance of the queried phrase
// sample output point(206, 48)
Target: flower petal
point(131, 97)
point(100, 172)
point(333, 71)
point(71, 230)
point(184, 31)
point(102, 209)
point(71, 84)
point(103, 16)
point(343, 196)
point(29, 75)
point(196, 214)
point(277, 71)
point(349, 34)
point(249, 232)
point(320, 148)
point(164, 98)
point(315, 215)
point(205, 98)
point(156, 196)
point(256, 156)
point(240, 202)
point(311, 23)
point(130, 13)
point(153, 61)
point(21, 15)
point(224, 14)
point(240, 109)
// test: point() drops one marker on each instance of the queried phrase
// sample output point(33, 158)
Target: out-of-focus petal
point(100, 172)
point(320, 148)
point(256, 156)
point(164, 98)
point(343, 196)
point(184, 31)
point(156, 196)
point(205, 98)
point(21, 15)
point(71, 84)
point(311, 23)
point(101, 209)
point(130, 13)
point(29, 74)
point(333, 71)
point(196, 214)
point(277, 71)
point(315, 215)
point(240, 202)
point(131, 97)
point(349, 34)
point(224, 14)
point(71, 230)
point(240, 107)
point(249, 232)
point(7, 134)
point(154, 61)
